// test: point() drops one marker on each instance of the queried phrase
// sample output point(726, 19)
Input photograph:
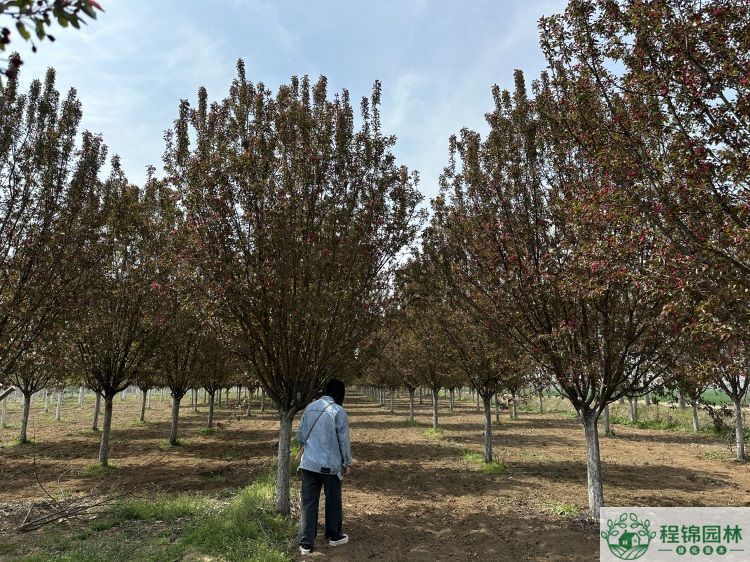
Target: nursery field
point(414, 494)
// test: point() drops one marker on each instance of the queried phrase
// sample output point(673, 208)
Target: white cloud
point(437, 60)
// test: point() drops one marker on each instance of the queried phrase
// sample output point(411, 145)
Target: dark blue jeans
point(312, 482)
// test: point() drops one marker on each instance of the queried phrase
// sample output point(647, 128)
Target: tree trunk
point(420, 395)
point(263, 400)
point(175, 419)
point(81, 393)
point(411, 405)
point(739, 431)
point(435, 408)
point(46, 401)
point(647, 399)
point(143, 405)
point(513, 410)
point(497, 407)
point(97, 406)
point(194, 393)
point(22, 437)
point(219, 397)
point(227, 400)
point(452, 399)
point(59, 404)
point(593, 464)
point(106, 429)
point(541, 402)
point(211, 409)
point(694, 408)
point(476, 395)
point(392, 409)
point(282, 469)
point(161, 398)
point(681, 401)
point(487, 399)
point(633, 404)
point(4, 414)
point(607, 428)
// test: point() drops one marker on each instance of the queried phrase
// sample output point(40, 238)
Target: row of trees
point(265, 255)
point(595, 238)
point(599, 229)
point(598, 234)
point(212, 396)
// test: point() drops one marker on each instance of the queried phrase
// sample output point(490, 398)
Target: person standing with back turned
point(323, 437)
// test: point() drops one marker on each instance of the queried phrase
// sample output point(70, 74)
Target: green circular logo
point(628, 537)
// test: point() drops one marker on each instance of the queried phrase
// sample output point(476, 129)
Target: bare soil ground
point(411, 496)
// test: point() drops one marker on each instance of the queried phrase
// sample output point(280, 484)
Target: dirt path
point(412, 497)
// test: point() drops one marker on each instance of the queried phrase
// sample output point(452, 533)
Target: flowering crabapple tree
point(674, 78)
point(553, 251)
point(118, 326)
point(215, 366)
point(486, 360)
point(297, 221)
point(45, 181)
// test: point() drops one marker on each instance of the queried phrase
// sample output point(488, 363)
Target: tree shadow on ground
point(471, 530)
point(397, 468)
point(666, 437)
point(626, 477)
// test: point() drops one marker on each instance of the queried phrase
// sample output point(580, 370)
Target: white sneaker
point(343, 540)
point(305, 550)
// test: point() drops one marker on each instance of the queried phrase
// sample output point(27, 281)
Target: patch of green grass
point(434, 433)
point(494, 467)
point(162, 507)
point(99, 470)
point(169, 527)
point(667, 424)
point(137, 423)
point(477, 459)
point(247, 529)
point(166, 445)
point(231, 455)
point(470, 456)
point(227, 493)
point(411, 423)
point(207, 431)
point(566, 509)
point(16, 443)
point(714, 455)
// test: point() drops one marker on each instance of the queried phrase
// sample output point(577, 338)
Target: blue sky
point(437, 60)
